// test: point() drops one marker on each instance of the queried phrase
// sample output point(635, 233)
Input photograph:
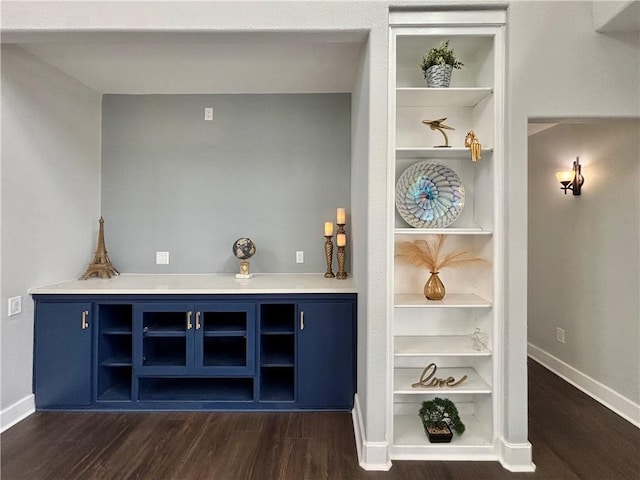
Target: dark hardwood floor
point(573, 438)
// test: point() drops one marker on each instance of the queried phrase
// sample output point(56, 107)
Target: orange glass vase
point(434, 288)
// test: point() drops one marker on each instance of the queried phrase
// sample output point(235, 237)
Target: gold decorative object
point(341, 242)
point(434, 288)
point(328, 248)
point(244, 267)
point(101, 265)
point(441, 127)
point(429, 254)
point(428, 379)
point(328, 252)
point(342, 258)
point(471, 141)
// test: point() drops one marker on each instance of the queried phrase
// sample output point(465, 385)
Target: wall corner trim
point(17, 412)
point(608, 397)
point(516, 457)
point(371, 455)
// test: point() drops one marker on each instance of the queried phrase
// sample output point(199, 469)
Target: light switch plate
point(15, 305)
point(299, 256)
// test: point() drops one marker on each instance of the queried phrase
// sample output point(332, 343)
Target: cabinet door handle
point(189, 324)
point(301, 320)
point(85, 324)
point(198, 321)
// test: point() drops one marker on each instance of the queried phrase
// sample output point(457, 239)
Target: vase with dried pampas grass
point(430, 254)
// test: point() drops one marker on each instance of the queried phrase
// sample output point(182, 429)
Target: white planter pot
point(438, 76)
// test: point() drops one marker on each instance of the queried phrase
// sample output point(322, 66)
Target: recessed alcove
point(275, 172)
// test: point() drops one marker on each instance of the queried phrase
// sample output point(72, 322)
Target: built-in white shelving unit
point(423, 331)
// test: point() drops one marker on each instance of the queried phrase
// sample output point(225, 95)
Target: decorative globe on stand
point(244, 249)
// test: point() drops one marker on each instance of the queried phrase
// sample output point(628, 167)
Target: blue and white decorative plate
point(429, 195)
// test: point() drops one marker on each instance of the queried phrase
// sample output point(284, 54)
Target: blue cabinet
point(194, 339)
point(215, 352)
point(62, 355)
point(326, 363)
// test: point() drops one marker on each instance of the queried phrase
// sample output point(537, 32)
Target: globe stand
point(243, 249)
point(244, 270)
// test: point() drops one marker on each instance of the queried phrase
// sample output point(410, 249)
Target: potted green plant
point(439, 417)
point(437, 65)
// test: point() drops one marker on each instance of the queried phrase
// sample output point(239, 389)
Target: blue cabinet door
point(62, 363)
point(163, 338)
point(225, 338)
point(326, 355)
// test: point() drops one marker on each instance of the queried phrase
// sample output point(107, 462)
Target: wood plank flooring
point(573, 437)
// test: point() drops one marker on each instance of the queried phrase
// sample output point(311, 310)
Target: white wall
point(558, 66)
point(50, 197)
point(584, 257)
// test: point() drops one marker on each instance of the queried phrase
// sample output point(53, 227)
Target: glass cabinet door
point(164, 338)
point(224, 338)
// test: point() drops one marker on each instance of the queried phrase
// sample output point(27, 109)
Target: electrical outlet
point(299, 256)
point(559, 334)
point(162, 258)
point(15, 305)
point(208, 114)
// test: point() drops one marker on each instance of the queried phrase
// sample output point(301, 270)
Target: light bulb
point(565, 176)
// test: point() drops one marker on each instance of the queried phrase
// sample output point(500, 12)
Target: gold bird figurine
point(441, 127)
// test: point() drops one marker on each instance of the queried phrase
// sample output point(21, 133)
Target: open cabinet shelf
point(404, 378)
point(441, 97)
point(451, 300)
point(437, 153)
point(436, 345)
point(438, 332)
point(411, 443)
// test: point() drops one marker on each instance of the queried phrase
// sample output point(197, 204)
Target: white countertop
point(201, 284)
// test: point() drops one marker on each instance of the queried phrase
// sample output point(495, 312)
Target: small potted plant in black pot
point(437, 65)
point(439, 418)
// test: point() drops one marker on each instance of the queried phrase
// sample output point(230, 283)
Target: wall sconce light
point(571, 179)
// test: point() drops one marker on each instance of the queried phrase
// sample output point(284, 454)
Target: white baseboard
point(516, 457)
point(17, 412)
point(608, 397)
point(371, 455)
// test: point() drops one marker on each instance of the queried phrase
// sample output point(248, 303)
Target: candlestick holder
point(342, 257)
point(328, 252)
point(342, 253)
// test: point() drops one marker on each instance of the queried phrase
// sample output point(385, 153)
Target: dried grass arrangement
point(430, 255)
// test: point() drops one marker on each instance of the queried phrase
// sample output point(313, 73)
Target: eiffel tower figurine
point(101, 265)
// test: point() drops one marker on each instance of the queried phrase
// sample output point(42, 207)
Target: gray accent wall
point(50, 196)
point(272, 167)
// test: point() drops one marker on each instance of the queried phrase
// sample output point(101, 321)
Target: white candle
point(328, 229)
point(341, 214)
point(341, 240)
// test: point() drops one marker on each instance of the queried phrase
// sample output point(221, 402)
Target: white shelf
point(410, 442)
point(474, 384)
point(437, 153)
point(441, 97)
point(441, 346)
point(451, 300)
point(443, 231)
